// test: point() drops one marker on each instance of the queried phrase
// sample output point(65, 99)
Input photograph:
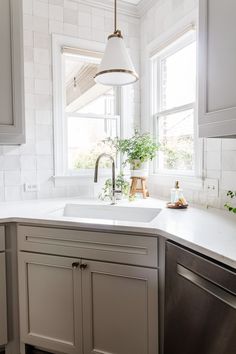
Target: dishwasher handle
point(219, 292)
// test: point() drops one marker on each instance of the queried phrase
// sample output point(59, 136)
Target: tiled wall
point(33, 161)
point(219, 155)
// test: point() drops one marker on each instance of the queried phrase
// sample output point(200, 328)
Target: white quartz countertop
point(211, 232)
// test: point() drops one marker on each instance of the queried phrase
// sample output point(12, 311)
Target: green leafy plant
point(121, 184)
point(139, 147)
point(229, 206)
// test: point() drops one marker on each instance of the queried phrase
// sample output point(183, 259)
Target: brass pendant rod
point(115, 17)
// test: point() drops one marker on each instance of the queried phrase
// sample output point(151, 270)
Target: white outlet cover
point(31, 187)
point(211, 187)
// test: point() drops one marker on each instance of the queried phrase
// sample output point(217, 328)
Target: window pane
point(103, 104)
point(178, 78)
point(176, 137)
point(82, 93)
point(84, 101)
point(85, 141)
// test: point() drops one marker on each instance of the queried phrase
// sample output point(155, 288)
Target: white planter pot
point(139, 169)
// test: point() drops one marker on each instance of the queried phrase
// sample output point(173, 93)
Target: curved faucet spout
point(113, 173)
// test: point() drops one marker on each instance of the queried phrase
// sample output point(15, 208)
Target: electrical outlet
point(31, 187)
point(211, 187)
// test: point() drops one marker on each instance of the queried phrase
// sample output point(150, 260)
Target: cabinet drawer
point(2, 238)
point(112, 247)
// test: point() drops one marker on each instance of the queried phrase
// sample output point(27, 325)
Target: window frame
point(166, 48)
point(61, 172)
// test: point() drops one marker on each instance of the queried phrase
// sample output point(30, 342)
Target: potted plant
point(122, 185)
point(229, 206)
point(139, 150)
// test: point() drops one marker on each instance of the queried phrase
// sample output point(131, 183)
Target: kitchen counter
point(211, 232)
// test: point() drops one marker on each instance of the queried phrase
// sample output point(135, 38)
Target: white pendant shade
point(116, 68)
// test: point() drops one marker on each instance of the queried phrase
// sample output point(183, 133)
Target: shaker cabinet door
point(217, 69)
point(3, 302)
point(11, 73)
point(50, 302)
point(119, 309)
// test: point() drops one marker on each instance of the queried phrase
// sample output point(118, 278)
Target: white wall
point(33, 161)
point(219, 155)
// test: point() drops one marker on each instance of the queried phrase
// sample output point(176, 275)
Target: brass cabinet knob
point(75, 265)
point(83, 266)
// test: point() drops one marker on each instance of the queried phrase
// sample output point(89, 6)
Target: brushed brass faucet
point(113, 175)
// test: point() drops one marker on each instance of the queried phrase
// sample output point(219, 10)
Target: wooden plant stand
point(134, 186)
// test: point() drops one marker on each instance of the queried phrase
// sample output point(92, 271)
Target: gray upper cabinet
point(217, 69)
point(12, 128)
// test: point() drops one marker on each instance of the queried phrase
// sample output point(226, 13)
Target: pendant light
point(116, 68)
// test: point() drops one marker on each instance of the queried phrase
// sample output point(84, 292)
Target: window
point(90, 113)
point(174, 95)
point(85, 113)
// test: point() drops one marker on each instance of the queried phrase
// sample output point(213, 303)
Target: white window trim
point(196, 181)
point(61, 176)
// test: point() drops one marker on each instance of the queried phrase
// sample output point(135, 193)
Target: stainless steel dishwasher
point(200, 304)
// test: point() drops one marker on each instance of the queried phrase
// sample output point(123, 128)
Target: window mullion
point(175, 110)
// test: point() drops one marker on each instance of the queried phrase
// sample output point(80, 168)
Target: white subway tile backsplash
point(11, 163)
point(28, 7)
point(28, 54)
point(43, 117)
point(43, 87)
point(42, 71)
point(42, 40)
point(44, 147)
point(55, 27)
point(213, 145)
point(70, 16)
point(229, 160)
point(41, 56)
point(85, 32)
point(12, 178)
point(70, 30)
point(33, 161)
point(44, 163)
point(219, 154)
point(229, 144)
point(28, 162)
point(84, 19)
point(40, 8)
point(28, 38)
point(40, 24)
point(228, 180)
point(70, 5)
point(13, 193)
point(56, 13)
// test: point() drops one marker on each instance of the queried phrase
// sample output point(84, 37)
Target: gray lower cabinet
point(3, 302)
point(119, 309)
point(80, 306)
point(50, 302)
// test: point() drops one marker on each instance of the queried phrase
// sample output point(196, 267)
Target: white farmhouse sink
point(111, 212)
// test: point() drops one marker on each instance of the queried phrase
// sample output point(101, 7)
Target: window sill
point(82, 179)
